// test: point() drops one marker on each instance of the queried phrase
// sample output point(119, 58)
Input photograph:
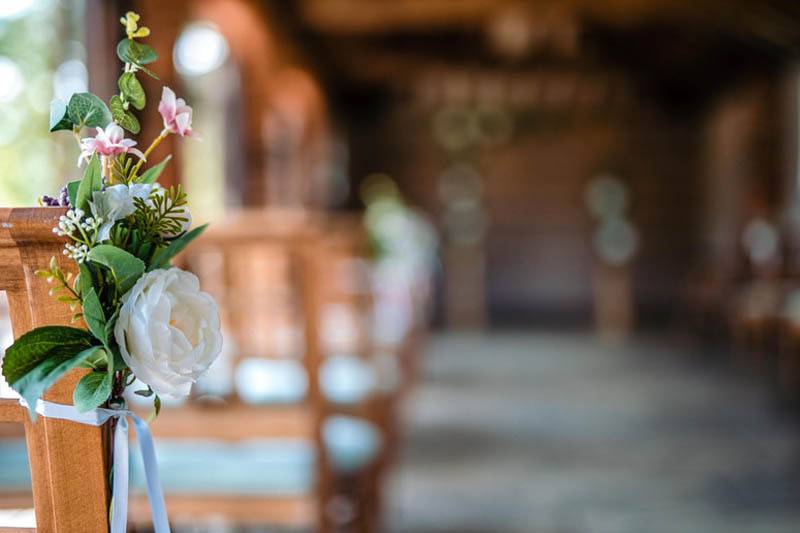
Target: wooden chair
point(68, 461)
point(269, 270)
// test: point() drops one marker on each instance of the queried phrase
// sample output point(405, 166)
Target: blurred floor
point(548, 433)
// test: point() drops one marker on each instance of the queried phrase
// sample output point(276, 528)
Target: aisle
point(552, 433)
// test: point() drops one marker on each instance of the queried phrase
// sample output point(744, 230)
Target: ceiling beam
point(381, 16)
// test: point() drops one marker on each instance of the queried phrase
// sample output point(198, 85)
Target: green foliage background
point(32, 161)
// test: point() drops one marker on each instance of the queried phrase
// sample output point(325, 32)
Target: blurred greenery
point(33, 44)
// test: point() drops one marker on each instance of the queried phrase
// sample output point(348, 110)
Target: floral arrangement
point(144, 319)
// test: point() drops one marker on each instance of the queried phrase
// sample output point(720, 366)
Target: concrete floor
point(546, 433)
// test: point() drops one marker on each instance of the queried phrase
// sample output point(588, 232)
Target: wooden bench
point(278, 273)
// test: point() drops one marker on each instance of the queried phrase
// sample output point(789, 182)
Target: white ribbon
point(119, 495)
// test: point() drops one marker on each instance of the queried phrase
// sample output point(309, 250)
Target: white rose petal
point(168, 331)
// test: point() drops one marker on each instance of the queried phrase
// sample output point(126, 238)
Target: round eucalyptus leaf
point(86, 109)
point(132, 89)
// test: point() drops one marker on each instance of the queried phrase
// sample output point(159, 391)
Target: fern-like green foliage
point(65, 288)
point(165, 214)
point(121, 169)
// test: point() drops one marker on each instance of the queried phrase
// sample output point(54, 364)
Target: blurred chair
point(788, 367)
point(757, 304)
point(289, 427)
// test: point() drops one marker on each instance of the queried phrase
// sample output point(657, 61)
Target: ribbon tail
point(119, 497)
point(155, 493)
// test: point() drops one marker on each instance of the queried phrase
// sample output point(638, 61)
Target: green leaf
point(132, 89)
point(92, 181)
point(36, 382)
point(72, 191)
point(131, 51)
point(126, 119)
point(148, 72)
point(163, 257)
point(130, 123)
point(86, 279)
point(93, 315)
point(117, 108)
point(86, 109)
point(59, 116)
point(92, 390)
point(98, 361)
point(125, 267)
point(39, 344)
point(152, 173)
point(110, 325)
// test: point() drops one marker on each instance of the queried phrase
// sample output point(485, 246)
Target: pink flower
point(176, 114)
point(110, 141)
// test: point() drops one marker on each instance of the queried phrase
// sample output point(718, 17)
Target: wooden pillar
point(165, 20)
point(69, 466)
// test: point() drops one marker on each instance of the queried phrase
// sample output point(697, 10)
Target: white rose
point(168, 331)
point(115, 203)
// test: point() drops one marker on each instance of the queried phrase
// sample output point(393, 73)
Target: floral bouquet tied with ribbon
point(144, 318)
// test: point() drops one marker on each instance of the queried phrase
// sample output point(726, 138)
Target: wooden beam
point(234, 422)
point(381, 16)
point(294, 511)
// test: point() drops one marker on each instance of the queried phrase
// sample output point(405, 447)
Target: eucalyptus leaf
point(132, 89)
point(163, 257)
point(126, 268)
point(39, 344)
point(124, 118)
point(130, 123)
point(86, 109)
point(131, 51)
point(117, 108)
point(92, 391)
point(59, 116)
point(92, 181)
point(152, 173)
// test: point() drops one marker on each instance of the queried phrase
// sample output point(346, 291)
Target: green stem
point(153, 145)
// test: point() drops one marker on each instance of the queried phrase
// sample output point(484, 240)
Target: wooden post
point(69, 466)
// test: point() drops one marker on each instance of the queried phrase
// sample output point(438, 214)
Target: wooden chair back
point(68, 461)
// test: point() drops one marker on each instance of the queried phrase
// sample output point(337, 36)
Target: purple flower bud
point(63, 198)
point(61, 201)
point(49, 201)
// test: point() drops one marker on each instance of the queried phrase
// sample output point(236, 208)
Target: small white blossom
point(68, 223)
point(78, 252)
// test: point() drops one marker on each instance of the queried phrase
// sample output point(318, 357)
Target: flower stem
point(153, 145)
point(106, 172)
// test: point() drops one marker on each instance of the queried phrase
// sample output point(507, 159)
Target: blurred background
point(557, 255)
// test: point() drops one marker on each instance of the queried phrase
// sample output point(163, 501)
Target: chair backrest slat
point(69, 467)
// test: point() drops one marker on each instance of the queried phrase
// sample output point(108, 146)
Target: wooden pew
point(271, 270)
point(68, 461)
